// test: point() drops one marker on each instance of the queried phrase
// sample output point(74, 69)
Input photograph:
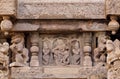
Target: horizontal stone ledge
point(61, 9)
point(55, 26)
point(56, 72)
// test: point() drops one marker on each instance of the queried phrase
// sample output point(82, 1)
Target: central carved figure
point(61, 52)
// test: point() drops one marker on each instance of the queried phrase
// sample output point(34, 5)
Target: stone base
point(56, 72)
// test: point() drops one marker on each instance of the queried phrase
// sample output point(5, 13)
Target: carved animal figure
point(20, 53)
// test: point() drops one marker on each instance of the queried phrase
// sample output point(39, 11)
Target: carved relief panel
point(61, 49)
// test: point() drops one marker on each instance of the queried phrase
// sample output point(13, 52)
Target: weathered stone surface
point(114, 73)
point(26, 72)
point(7, 7)
point(60, 9)
point(113, 7)
point(56, 72)
point(58, 25)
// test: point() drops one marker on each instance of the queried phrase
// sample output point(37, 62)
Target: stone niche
point(63, 56)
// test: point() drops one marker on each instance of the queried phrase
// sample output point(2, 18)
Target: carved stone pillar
point(87, 50)
point(34, 49)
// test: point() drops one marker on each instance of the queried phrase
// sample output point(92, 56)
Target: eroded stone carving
point(61, 52)
point(113, 59)
point(111, 51)
point(99, 52)
point(75, 52)
point(20, 53)
point(46, 52)
point(4, 60)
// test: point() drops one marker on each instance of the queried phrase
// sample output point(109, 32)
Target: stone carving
point(75, 52)
point(87, 50)
point(20, 53)
point(99, 52)
point(113, 51)
point(61, 52)
point(87, 58)
point(4, 60)
point(46, 52)
point(113, 59)
point(34, 49)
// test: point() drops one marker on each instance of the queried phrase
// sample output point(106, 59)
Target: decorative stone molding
point(113, 24)
point(87, 50)
point(6, 25)
point(57, 72)
point(51, 9)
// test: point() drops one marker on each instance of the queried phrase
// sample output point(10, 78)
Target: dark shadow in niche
point(116, 36)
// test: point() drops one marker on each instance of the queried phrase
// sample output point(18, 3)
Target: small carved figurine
point(46, 53)
point(20, 53)
point(61, 52)
point(75, 52)
point(110, 53)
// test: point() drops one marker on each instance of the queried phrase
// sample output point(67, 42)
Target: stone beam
point(61, 9)
point(56, 72)
point(55, 26)
point(7, 7)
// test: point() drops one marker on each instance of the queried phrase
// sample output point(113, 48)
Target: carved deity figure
point(113, 51)
point(20, 53)
point(75, 52)
point(113, 59)
point(4, 60)
point(46, 53)
point(61, 52)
